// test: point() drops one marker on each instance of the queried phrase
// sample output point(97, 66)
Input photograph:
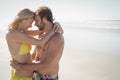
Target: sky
point(64, 10)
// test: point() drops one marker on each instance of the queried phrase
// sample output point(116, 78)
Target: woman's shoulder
point(12, 33)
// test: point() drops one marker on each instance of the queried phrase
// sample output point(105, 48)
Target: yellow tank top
point(24, 49)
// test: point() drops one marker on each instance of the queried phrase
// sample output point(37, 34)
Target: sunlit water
point(95, 38)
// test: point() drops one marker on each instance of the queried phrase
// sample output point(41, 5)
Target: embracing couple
point(48, 50)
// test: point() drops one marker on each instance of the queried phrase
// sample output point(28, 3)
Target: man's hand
point(15, 64)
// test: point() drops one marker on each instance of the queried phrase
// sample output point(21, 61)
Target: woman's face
point(27, 23)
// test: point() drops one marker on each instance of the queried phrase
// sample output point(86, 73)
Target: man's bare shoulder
point(57, 38)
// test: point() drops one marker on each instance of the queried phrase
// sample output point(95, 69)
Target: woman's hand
point(58, 28)
point(38, 53)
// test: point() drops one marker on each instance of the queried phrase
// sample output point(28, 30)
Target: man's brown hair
point(45, 12)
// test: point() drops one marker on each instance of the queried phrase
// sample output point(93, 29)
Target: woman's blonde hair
point(22, 15)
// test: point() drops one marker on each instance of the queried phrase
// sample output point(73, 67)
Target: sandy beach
point(90, 66)
point(5, 68)
point(81, 66)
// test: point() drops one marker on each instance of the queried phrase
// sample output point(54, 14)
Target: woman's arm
point(24, 38)
point(57, 28)
point(34, 32)
point(60, 30)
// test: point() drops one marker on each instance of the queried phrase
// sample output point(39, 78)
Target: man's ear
point(44, 19)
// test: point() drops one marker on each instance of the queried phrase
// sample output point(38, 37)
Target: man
point(49, 56)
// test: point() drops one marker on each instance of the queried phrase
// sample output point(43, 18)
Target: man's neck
point(49, 26)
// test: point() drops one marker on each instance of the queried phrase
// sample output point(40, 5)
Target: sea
point(93, 36)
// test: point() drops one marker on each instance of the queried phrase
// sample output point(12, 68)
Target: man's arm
point(27, 67)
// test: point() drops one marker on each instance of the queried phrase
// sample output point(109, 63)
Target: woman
point(19, 43)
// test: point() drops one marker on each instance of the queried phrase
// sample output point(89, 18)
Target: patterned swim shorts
point(37, 76)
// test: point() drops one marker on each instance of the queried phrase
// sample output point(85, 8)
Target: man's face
point(39, 23)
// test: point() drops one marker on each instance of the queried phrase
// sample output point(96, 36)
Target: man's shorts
point(37, 76)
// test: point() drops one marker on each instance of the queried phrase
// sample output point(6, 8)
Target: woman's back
point(17, 49)
point(19, 55)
